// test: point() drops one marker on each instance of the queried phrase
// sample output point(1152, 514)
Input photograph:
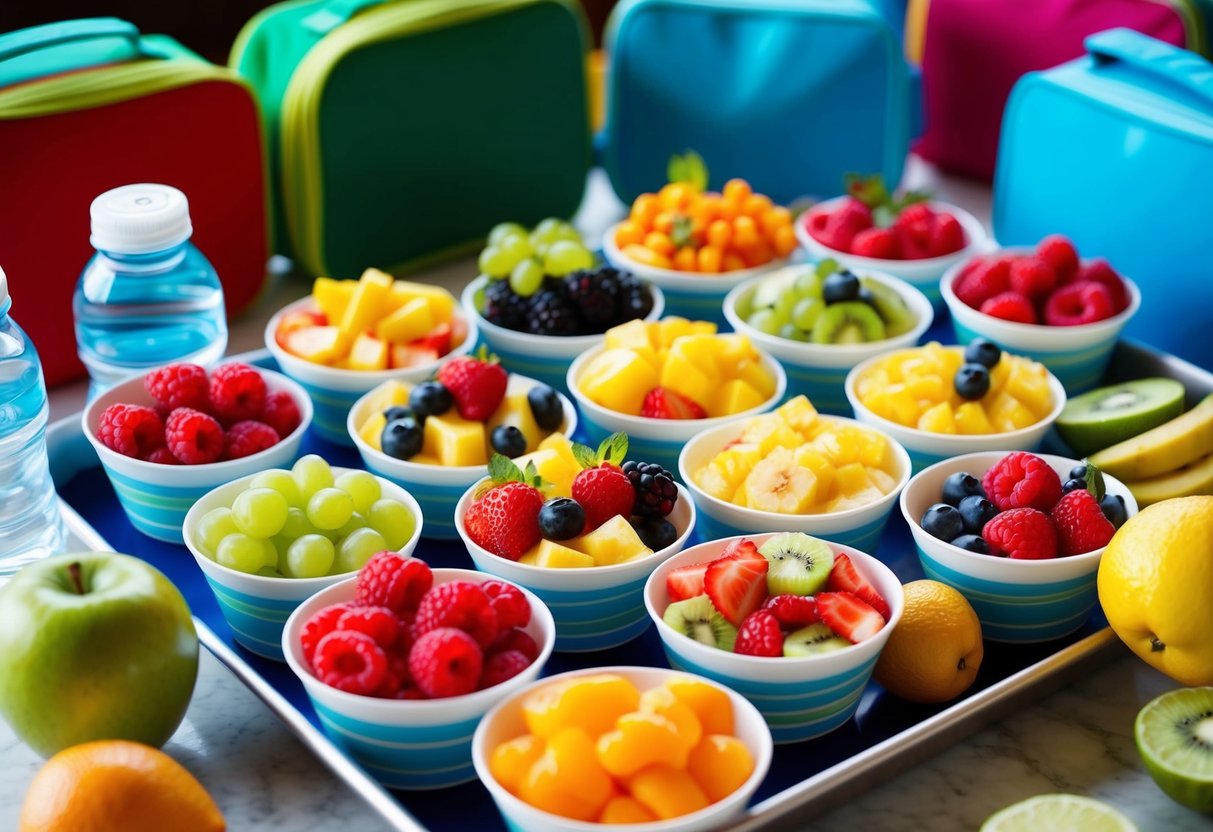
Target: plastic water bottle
point(148, 296)
point(30, 524)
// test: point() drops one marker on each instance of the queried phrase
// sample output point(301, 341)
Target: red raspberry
point(410, 692)
point(1078, 303)
point(792, 611)
point(1032, 277)
point(879, 243)
point(1059, 252)
point(237, 392)
point(603, 492)
point(515, 639)
point(1100, 271)
point(281, 413)
point(193, 437)
point(350, 661)
point(1081, 524)
point(179, 385)
point(837, 228)
point(1010, 306)
point(394, 581)
point(1021, 533)
point(131, 430)
point(322, 622)
point(947, 235)
point(759, 635)
point(501, 666)
point(1022, 480)
point(163, 456)
point(459, 604)
point(379, 623)
point(247, 438)
point(505, 521)
point(446, 662)
point(397, 677)
point(513, 610)
point(913, 227)
point(989, 277)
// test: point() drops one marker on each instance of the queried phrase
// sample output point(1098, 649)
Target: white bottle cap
point(137, 219)
point(3, 287)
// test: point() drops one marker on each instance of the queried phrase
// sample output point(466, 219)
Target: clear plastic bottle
point(31, 526)
point(148, 296)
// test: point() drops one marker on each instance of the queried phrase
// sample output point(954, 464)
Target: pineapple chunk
point(971, 419)
point(668, 329)
point(680, 374)
point(454, 441)
point(531, 556)
point(731, 351)
point(699, 350)
point(781, 437)
point(366, 304)
point(371, 431)
point(807, 457)
point(333, 296)
point(760, 427)
point(881, 479)
point(714, 481)
point(938, 419)
point(515, 410)
point(618, 380)
point(388, 394)
point(635, 335)
point(615, 541)
point(852, 479)
point(552, 555)
point(798, 413)
point(411, 321)
point(727, 471)
point(998, 378)
point(1007, 413)
point(1028, 383)
point(734, 397)
point(556, 471)
point(928, 389)
point(703, 328)
point(561, 444)
point(442, 302)
point(757, 376)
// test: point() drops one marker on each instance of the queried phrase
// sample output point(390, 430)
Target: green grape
point(240, 552)
point(502, 230)
point(806, 312)
point(356, 549)
point(394, 521)
point(568, 233)
point(808, 285)
point(282, 482)
point(363, 488)
point(516, 248)
point(792, 333)
point(527, 277)
point(548, 231)
point(271, 553)
point(765, 321)
point(357, 521)
point(494, 263)
point(213, 526)
point(784, 305)
point(329, 508)
point(296, 525)
point(309, 557)
point(260, 512)
point(564, 257)
point(311, 474)
point(270, 572)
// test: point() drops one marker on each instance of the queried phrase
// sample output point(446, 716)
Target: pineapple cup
point(437, 487)
point(595, 607)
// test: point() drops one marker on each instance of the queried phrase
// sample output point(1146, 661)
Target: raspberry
point(193, 437)
point(163, 456)
point(603, 492)
point(237, 392)
point(445, 662)
point(878, 243)
point(655, 490)
point(459, 604)
point(501, 666)
point(397, 677)
point(1032, 277)
point(393, 581)
point(989, 277)
point(281, 413)
point(322, 622)
point(843, 223)
point(1021, 533)
point(1059, 252)
point(1022, 480)
point(179, 385)
point(759, 635)
point(1010, 306)
point(247, 438)
point(792, 611)
point(1099, 271)
point(379, 623)
point(913, 227)
point(515, 639)
point(1078, 303)
point(350, 661)
point(513, 610)
point(947, 235)
point(131, 430)
point(1081, 524)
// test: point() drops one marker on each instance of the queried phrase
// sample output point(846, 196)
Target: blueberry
point(430, 398)
point(866, 296)
point(402, 438)
point(972, 543)
point(655, 532)
point(984, 352)
point(508, 440)
point(943, 521)
point(976, 512)
point(1078, 472)
point(1074, 484)
point(561, 518)
point(1113, 507)
point(545, 406)
point(972, 381)
point(960, 485)
point(840, 287)
point(399, 411)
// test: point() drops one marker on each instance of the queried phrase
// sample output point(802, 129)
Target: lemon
point(935, 651)
point(1058, 813)
point(1154, 582)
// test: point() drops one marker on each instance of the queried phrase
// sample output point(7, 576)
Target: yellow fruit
point(332, 296)
point(682, 374)
point(371, 431)
point(851, 479)
point(515, 410)
point(757, 429)
point(720, 765)
point(366, 304)
point(777, 484)
point(1154, 580)
point(757, 376)
point(367, 353)
point(734, 396)
point(318, 344)
point(934, 652)
point(453, 440)
point(1007, 413)
point(670, 328)
point(971, 419)
point(625, 810)
point(510, 761)
point(1169, 446)
point(411, 321)
point(567, 779)
point(615, 541)
point(798, 413)
point(442, 302)
point(635, 335)
point(663, 702)
point(667, 792)
point(618, 380)
point(938, 419)
point(1028, 383)
point(711, 705)
point(551, 555)
point(1189, 481)
point(593, 703)
point(640, 740)
point(782, 437)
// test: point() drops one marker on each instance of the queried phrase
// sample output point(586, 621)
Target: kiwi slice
point(813, 640)
point(797, 564)
point(850, 322)
point(892, 308)
point(699, 619)
point(1174, 736)
point(1108, 415)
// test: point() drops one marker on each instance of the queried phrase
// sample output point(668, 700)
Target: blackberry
point(656, 492)
point(594, 296)
point(635, 300)
point(549, 314)
point(504, 307)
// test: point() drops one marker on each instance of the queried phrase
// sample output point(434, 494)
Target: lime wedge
point(1174, 735)
point(1058, 813)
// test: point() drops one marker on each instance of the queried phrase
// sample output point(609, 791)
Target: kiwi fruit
point(1108, 415)
point(1174, 736)
point(892, 308)
point(813, 640)
point(797, 564)
point(699, 619)
point(850, 322)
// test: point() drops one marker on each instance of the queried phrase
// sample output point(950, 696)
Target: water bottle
point(148, 296)
point(30, 524)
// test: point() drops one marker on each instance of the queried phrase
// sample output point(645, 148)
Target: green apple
point(94, 646)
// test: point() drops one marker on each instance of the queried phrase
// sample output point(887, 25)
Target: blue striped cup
point(1019, 601)
point(332, 390)
point(595, 607)
point(156, 497)
point(256, 607)
point(542, 357)
point(802, 697)
point(409, 744)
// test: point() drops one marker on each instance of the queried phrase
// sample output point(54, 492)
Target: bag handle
point(37, 38)
point(334, 13)
point(1153, 57)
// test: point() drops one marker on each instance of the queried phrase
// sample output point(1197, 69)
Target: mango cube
point(367, 353)
point(371, 431)
point(618, 380)
point(388, 394)
point(634, 335)
point(938, 419)
point(734, 396)
point(441, 302)
point(411, 321)
point(552, 555)
point(366, 303)
point(555, 470)
point(682, 374)
point(615, 541)
point(333, 296)
point(971, 419)
point(454, 441)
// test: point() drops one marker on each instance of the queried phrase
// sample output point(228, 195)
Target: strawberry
point(759, 635)
point(685, 581)
point(736, 586)
point(664, 403)
point(848, 616)
point(601, 487)
point(744, 549)
point(913, 227)
point(476, 383)
point(878, 243)
point(947, 235)
point(792, 611)
point(505, 518)
point(844, 222)
point(438, 339)
point(845, 577)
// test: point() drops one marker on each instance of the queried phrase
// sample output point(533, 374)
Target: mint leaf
point(1094, 480)
point(680, 235)
point(585, 456)
point(502, 470)
point(689, 168)
point(614, 449)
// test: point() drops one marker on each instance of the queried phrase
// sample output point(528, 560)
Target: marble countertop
point(1078, 739)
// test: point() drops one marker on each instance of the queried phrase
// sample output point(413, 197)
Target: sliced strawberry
point(844, 577)
point(664, 403)
point(407, 355)
point(848, 616)
point(685, 581)
point(736, 586)
point(793, 611)
point(743, 549)
point(439, 339)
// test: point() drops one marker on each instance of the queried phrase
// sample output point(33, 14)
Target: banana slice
point(1170, 446)
point(1196, 478)
point(779, 485)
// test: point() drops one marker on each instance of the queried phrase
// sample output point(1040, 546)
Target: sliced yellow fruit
point(938, 419)
point(333, 296)
point(516, 410)
point(371, 431)
point(1169, 446)
point(366, 304)
point(367, 353)
point(454, 441)
point(618, 380)
point(681, 374)
point(615, 541)
point(777, 484)
point(971, 419)
point(411, 321)
point(734, 396)
point(798, 413)
point(1191, 480)
point(634, 335)
point(442, 302)
point(318, 344)
point(553, 555)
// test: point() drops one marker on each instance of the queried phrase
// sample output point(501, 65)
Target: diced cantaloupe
point(318, 344)
point(411, 321)
point(333, 296)
point(618, 380)
point(615, 541)
point(454, 441)
point(553, 555)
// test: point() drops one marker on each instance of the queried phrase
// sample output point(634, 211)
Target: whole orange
point(935, 651)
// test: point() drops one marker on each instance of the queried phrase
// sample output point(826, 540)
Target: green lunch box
point(401, 132)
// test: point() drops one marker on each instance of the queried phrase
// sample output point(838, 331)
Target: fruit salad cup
point(1030, 574)
point(716, 779)
point(820, 322)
